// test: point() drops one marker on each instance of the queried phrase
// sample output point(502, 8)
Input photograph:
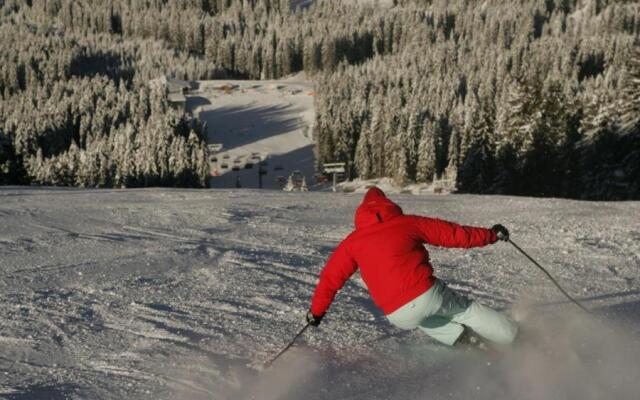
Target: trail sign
point(262, 163)
point(334, 168)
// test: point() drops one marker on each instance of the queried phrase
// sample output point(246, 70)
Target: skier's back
point(387, 247)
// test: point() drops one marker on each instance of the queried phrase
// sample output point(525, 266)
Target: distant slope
point(268, 121)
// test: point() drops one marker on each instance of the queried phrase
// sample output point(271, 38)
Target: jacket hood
point(375, 208)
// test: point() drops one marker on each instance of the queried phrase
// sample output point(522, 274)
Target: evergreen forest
point(523, 97)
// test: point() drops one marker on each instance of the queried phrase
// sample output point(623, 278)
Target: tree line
point(535, 99)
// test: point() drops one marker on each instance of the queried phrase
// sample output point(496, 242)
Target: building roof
point(177, 85)
point(173, 84)
point(176, 97)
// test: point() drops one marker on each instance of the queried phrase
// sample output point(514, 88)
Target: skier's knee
point(507, 334)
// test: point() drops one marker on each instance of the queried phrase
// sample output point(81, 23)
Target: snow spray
point(564, 356)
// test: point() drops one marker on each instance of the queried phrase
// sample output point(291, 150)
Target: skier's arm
point(449, 234)
point(336, 272)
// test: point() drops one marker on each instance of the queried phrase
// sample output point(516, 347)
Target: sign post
point(261, 172)
point(335, 169)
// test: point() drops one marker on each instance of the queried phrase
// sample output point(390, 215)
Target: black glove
point(314, 320)
point(501, 232)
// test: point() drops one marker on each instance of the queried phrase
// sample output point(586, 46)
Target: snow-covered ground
point(268, 121)
point(183, 294)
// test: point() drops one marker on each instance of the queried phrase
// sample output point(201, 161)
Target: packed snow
point(185, 294)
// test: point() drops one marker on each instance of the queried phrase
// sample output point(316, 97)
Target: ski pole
point(550, 277)
point(268, 363)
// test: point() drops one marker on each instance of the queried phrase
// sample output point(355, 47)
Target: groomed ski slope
point(183, 294)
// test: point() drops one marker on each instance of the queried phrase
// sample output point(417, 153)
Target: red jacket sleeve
point(336, 272)
point(448, 234)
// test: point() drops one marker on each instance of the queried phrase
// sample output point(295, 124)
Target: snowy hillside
point(183, 294)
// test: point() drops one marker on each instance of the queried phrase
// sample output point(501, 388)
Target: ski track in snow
point(171, 293)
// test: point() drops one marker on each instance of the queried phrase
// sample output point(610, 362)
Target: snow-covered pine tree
point(456, 121)
point(629, 104)
point(11, 166)
point(476, 172)
point(630, 125)
point(379, 148)
point(599, 128)
point(427, 157)
point(610, 147)
point(363, 162)
point(544, 163)
point(311, 56)
point(290, 186)
point(412, 137)
point(517, 129)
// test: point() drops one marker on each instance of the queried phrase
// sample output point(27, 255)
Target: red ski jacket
point(388, 248)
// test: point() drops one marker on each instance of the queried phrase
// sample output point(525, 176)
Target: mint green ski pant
point(442, 314)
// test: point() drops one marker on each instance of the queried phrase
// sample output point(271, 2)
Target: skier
point(388, 248)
